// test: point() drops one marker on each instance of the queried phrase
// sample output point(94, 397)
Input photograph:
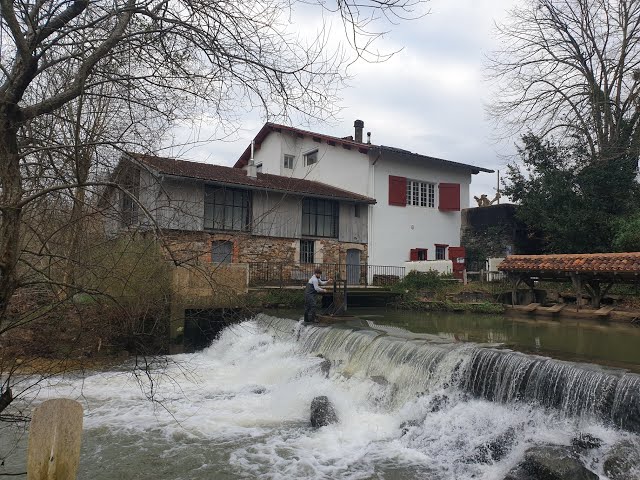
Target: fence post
point(54, 440)
point(281, 275)
point(464, 276)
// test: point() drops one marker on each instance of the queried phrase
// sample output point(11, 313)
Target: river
point(240, 409)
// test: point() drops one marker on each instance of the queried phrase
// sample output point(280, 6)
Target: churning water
point(407, 408)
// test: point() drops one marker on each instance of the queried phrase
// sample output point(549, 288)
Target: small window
point(311, 158)
point(417, 254)
point(288, 161)
point(307, 248)
point(441, 252)
point(356, 210)
point(221, 251)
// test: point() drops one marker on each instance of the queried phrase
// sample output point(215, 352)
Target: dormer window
point(311, 157)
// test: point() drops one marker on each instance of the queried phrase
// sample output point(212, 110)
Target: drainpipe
point(372, 194)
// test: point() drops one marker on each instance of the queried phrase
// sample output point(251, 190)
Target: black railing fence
point(262, 274)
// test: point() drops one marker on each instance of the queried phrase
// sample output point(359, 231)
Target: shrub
point(414, 281)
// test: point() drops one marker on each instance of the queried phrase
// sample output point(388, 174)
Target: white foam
point(249, 394)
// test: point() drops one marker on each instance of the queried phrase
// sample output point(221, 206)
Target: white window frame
point(288, 159)
point(312, 153)
point(421, 194)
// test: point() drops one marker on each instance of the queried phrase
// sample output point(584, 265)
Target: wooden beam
point(604, 311)
point(54, 440)
point(576, 280)
point(515, 280)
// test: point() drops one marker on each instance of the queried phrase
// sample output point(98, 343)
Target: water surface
point(240, 409)
point(612, 344)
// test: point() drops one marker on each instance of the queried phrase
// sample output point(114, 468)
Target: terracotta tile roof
point(345, 142)
point(579, 262)
point(236, 176)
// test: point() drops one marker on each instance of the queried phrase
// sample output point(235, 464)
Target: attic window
point(288, 161)
point(311, 157)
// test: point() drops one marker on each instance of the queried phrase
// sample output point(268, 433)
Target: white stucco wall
point(396, 230)
point(346, 169)
point(393, 231)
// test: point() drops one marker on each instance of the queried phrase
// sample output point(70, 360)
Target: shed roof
point(597, 263)
point(235, 176)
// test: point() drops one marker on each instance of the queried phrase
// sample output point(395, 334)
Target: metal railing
point(262, 274)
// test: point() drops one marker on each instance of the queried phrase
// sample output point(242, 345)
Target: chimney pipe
point(252, 171)
point(368, 138)
point(359, 126)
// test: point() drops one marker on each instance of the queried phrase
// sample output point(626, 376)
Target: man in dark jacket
point(311, 293)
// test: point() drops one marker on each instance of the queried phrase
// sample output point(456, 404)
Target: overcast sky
point(429, 98)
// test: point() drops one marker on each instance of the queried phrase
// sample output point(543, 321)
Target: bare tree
point(79, 79)
point(163, 56)
point(571, 68)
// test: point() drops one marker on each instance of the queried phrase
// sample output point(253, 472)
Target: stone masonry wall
point(264, 253)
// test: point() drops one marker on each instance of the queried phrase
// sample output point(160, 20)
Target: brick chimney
point(359, 126)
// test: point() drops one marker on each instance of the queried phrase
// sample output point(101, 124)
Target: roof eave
point(473, 168)
point(369, 201)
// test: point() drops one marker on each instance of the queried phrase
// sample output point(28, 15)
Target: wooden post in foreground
point(54, 440)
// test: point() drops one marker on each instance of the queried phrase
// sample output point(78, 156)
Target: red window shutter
point(413, 254)
point(449, 197)
point(397, 191)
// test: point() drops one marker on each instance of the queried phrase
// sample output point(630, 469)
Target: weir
point(417, 366)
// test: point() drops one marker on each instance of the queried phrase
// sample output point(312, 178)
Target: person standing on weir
point(310, 294)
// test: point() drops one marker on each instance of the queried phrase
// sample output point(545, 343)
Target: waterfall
point(418, 366)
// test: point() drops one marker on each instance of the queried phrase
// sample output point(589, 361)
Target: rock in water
point(406, 426)
point(496, 449)
point(325, 367)
point(622, 461)
point(586, 441)
point(550, 462)
point(322, 412)
point(438, 402)
point(519, 473)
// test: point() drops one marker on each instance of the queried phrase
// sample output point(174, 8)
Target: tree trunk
point(76, 222)
point(10, 196)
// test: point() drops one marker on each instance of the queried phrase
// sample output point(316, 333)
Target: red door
point(457, 256)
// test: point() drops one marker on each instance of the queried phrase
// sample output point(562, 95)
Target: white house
point(417, 214)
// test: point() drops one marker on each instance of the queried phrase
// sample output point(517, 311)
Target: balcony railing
point(263, 274)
